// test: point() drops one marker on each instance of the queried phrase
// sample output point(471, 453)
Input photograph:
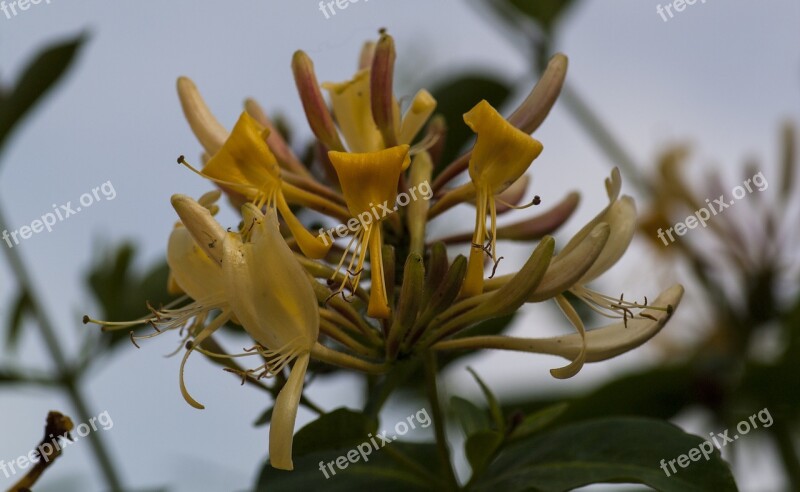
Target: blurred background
point(719, 79)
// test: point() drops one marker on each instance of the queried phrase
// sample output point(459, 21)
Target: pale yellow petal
point(269, 291)
point(621, 218)
point(194, 272)
point(284, 414)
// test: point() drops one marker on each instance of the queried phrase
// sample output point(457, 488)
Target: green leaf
point(458, 95)
point(471, 418)
point(494, 407)
point(481, 447)
point(383, 471)
point(538, 421)
point(546, 13)
point(614, 450)
point(658, 393)
point(265, 418)
point(121, 292)
point(21, 307)
point(38, 77)
point(341, 428)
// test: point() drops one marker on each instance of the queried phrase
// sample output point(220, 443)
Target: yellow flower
point(585, 346)
point(194, 253)
point(352, 111)
point(273, 298)
point(502, 153)
point(246, 165)
point(365, 108)
point(368, 181)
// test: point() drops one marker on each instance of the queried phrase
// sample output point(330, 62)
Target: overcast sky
point(719, 75)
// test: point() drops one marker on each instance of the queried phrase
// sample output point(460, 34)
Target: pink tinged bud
point(319, 118)
point(533, 111)
point(541, 225)
point(528, 116)
point(384, 106)
point(530, 229)
point(285, 155)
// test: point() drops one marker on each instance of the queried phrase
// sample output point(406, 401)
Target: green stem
point(782, 435)
point(336, 358)
point(603, 138)
point(67, 379)
point(587, 117)
point(438, 420)
point(412, 465)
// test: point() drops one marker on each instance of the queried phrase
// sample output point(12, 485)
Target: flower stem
point(438, 420)
point(324, 354)
point(412, 465)
point(67, 380)
point(786, 449)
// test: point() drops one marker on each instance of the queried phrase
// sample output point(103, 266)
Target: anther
point(494, 268)
point(133, 340)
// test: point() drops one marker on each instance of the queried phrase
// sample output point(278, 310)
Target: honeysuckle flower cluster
point(299, 297)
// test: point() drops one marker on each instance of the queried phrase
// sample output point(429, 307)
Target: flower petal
point(352, 108)
point(269, 291)
point(284, 414)
point(200, 222)
point(370, 179)
point(194, 272)
point(209, 132)
point(245, 159)
point(601, 344)
point(502, 152)
point(621, 218)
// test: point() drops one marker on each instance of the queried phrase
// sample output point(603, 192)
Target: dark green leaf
point(121, 293)
point(21, 307)
point(546, 13)
point(494, 407)
point(458, 95)
point(37, 78)
point(265, 418)
point(615, 450)
point(658, 393)
point(341, 428)
point(471, 418)
point(538, 421)
point(481, 447)
point(381, 472)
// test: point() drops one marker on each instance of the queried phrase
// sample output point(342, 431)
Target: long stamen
point(535, 201)
point(220, 320)
point(613, 308)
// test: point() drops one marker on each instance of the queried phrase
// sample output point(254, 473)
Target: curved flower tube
point(502, 153)
point(195, 272)
point(246, 165)
point(369, 180)
point(272, 297)
point(593, 346)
